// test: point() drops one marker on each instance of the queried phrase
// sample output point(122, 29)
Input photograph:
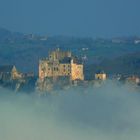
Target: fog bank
point(110, 112)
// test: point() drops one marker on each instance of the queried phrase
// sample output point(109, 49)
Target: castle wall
point(53, 70)
point(45, 69)
point(101, 76)
point(65, 69)
point(77, 72)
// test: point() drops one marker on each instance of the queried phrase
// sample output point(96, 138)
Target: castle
point(61, 64)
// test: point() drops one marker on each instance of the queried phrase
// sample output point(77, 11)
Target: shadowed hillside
point(25, 50)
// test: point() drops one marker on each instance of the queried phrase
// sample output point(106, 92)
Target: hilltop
point(112, 55)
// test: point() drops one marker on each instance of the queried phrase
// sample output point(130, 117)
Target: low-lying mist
point(110, 112)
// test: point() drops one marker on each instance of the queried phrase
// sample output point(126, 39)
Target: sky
point(82, 18)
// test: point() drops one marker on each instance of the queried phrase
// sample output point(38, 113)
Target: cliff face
point(51, 84)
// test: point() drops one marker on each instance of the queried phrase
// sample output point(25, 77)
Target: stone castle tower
point(61, 63)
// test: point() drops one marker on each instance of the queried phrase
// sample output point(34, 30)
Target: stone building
point(100, 75)
point(61, 63)
point(133, 79)
point(9, 72)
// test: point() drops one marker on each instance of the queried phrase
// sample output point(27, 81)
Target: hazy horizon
point(78, 18)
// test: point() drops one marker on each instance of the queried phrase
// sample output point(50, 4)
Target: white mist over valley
point(110, 112)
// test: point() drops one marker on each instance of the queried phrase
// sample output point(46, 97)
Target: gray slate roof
point(66, 60)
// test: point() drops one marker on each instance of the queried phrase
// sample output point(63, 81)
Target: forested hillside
point(113, 57)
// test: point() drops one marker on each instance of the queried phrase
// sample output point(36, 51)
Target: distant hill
point(6, 35)
point(126, 65)
point(118, 55)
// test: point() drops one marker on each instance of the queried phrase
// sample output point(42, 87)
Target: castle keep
point(59, 64)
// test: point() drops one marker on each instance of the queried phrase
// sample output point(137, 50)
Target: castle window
point(55, 69)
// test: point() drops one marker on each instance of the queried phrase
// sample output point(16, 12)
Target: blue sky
point(84, 18)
